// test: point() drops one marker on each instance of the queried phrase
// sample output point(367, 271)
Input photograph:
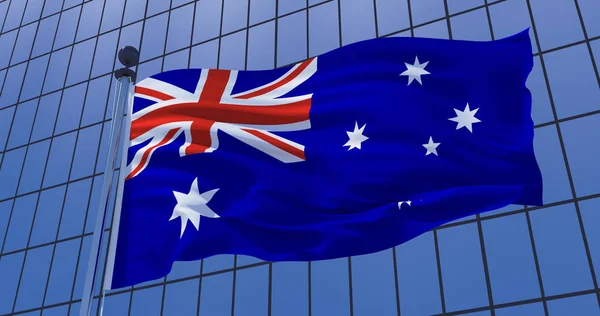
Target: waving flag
point(347, 153)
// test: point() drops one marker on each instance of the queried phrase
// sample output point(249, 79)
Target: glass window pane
point(235, 15)
point(67, 27)
point(472, 26)
point(251, 291)
point(10, 172)
point(323, 29)
point(90, 15)
point(261, 10)
point(592, 23)
point(330, 293)
point(177, 60)
point(357, 23)
point(392, 16)
point(70, 109)
point(557, 22)
point(291, 39)
point(47, 216)
point(24, 43)
point(180, 32)
point(184, 269)
point(33, 282)
point(434, 30)
point(134, 10)
point(426, 10)
point(511, 17)
point(33, 170)
point(541, 111)
point(462, 268)
point(147, 302)
point(290, 289)
point(550, 159)
point(6, 117)
point(85, 152)
point(22, 124)
point(511, 265)
point(583, 158)
point(535, 309)
point(7, 40)
point(20, 223)
point(577, 305)
point(10, 270)
point(287, 6)
point(81, 62)
point(34, 78)
point(13, 18)
point(59, 161)
point(205, 55)
point(562, 257)
point(76, 202)
point(48, 108)
point(116, 304)
point(4, 214)
point(157, 6)
point(112, 20)
point(33, 11)
point(52, 7)
point(181, 298)
point(12, 85)
point(153, 43)
point(591, 216)
point(215, 294)
point(456, 6)
point(81, 272)
point(105, 54)
point(96, 100)
point(233, 51)
point(373, 285)
point(56, 311)
point(572, 97)
point(208, 20)
point(261, 46)
point(57, 70)
point(63, 272)
point(45, 36)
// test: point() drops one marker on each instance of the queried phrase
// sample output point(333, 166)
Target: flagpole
point(129, 57)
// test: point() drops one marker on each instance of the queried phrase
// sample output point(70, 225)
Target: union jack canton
point(249, 116)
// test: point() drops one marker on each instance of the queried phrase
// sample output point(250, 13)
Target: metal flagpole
point(129, 57)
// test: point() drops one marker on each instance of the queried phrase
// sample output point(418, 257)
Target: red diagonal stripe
point(277, 143)
point(215, 84)
point(153, 93)
point(274, 86)
point(146, 153)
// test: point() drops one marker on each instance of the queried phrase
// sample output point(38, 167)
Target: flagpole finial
point(129, 56)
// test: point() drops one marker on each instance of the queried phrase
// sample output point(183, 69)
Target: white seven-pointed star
point(415, 71)
point(465, 118)
point(403, 202)
point(190, 206)
point(431, 147)
point(356, 137)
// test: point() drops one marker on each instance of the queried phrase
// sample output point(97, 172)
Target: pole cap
point(129, 56)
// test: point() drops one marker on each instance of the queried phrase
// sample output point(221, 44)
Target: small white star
point(465, 118)
point(403, 202)
point(190, 206)
point(431, 147)
point(415, 71)
point(355, 138)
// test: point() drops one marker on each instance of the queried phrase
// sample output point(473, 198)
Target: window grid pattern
point(71, 121)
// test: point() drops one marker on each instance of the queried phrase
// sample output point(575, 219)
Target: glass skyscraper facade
point(56, 91)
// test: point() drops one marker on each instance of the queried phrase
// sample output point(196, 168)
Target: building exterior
point(56, 92)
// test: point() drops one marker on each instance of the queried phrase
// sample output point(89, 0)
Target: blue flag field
point(350, 152)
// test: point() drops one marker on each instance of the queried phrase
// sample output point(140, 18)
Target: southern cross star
point(465, 118)
point(192, 205)
point(415, 71)
point(431, 147)
point(356, 137)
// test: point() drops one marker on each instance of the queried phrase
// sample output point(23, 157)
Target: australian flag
point(347, 153)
